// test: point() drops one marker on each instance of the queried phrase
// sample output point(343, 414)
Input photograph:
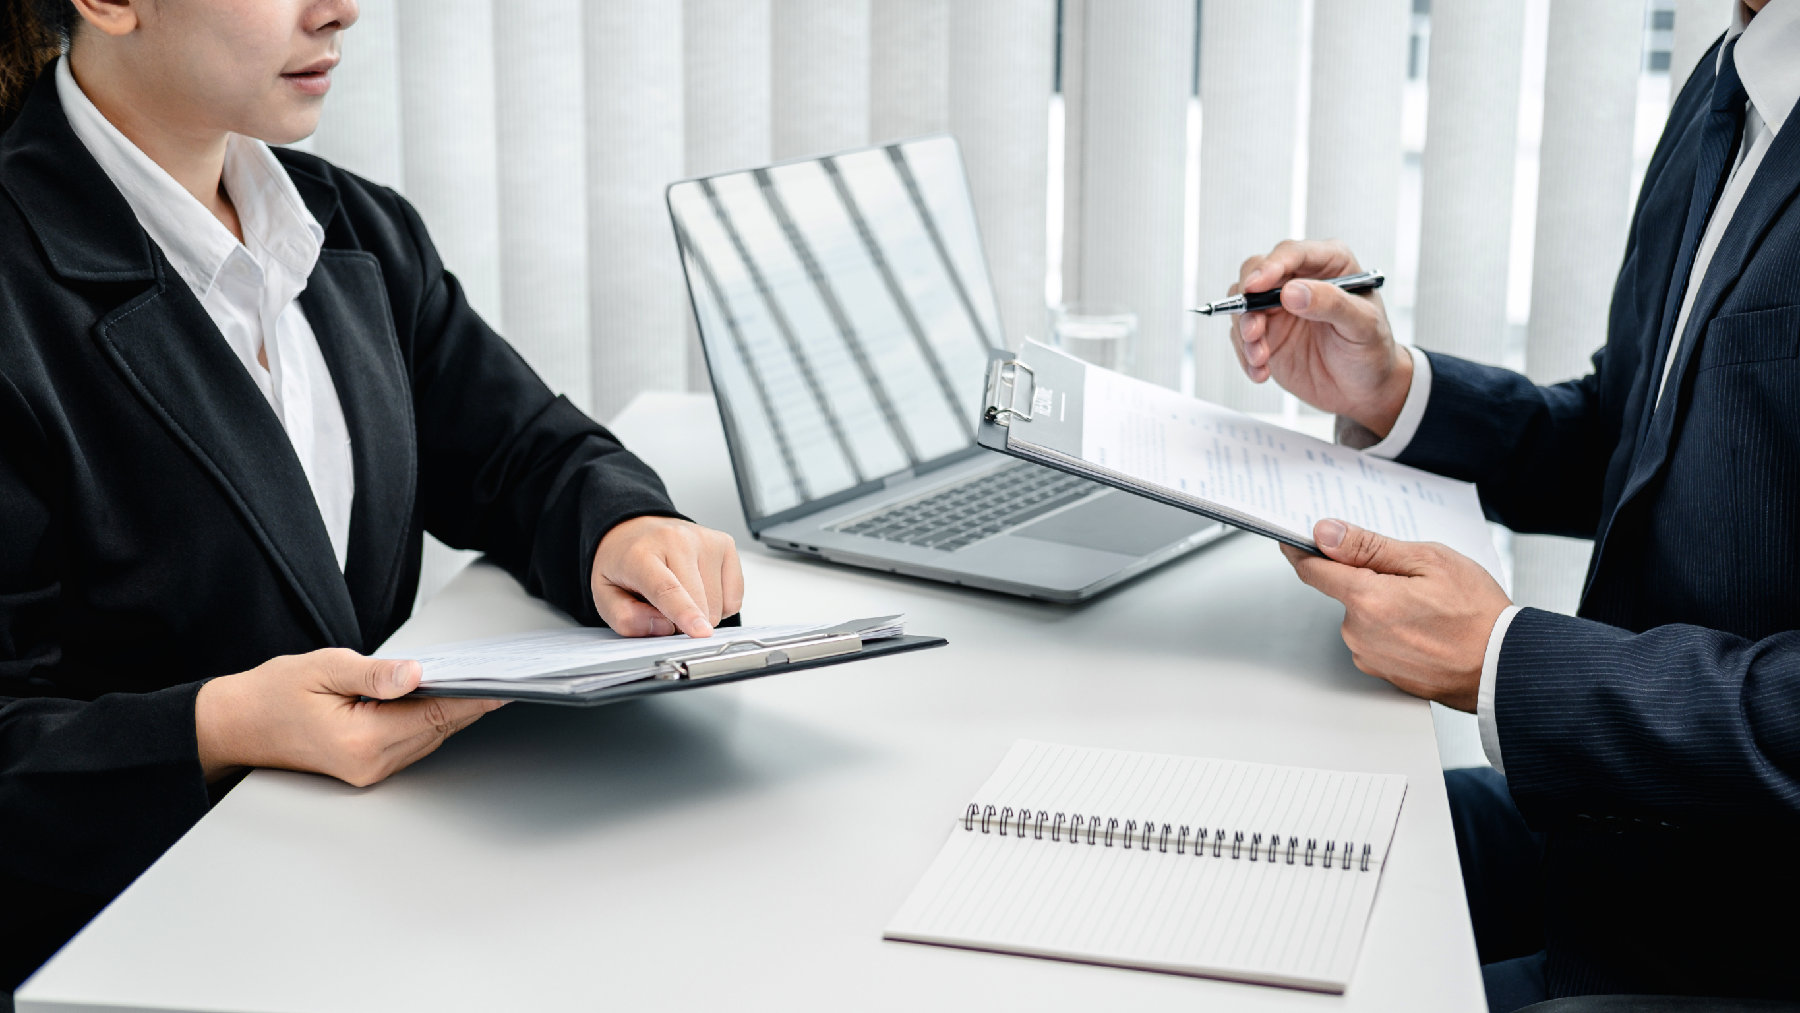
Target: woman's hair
point(32, 33)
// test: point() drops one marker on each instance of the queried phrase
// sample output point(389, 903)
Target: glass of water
point(1102, 335)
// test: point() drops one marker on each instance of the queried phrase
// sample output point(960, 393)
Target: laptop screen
point(846, 313)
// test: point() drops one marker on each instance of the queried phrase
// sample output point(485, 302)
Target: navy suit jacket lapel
point(1764, 199)
point(1657, 255)
point(1644, 386)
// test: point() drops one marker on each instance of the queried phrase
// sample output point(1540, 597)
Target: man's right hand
point(329, 712)
point(1330, 348)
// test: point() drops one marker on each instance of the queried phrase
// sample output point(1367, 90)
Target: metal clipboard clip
point(743, 655)
point(1000, 405)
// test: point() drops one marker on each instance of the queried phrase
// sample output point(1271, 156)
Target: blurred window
point(1659, 36)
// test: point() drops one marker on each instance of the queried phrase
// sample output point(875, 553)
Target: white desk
point(741, 847)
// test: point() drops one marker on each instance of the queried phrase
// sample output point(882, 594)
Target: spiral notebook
point(1217, 868)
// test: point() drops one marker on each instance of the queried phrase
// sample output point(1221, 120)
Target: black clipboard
point(522, 693)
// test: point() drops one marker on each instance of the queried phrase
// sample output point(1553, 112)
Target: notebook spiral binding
point(1105, 831)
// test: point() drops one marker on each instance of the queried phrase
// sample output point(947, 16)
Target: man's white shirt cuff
point(1410, 413)
point(1484, 699)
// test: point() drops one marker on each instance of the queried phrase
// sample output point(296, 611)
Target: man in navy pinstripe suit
point(1642, 838)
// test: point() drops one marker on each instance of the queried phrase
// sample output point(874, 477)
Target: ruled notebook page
point(1148, 899)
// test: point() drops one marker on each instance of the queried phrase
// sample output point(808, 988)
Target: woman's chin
point(293, 128)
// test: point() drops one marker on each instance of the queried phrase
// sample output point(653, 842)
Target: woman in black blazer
point(172, 607)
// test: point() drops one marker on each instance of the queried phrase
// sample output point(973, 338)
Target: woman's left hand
point(654, 576)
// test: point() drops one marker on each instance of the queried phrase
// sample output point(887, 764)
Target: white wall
point(999, 78)
point(1471, 141)
point(540, 121)
point(1249, 101)
point(635, 147)
point(819, 76)
point(909, 66)
point(1127, 65)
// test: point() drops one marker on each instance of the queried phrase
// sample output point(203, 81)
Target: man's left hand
point(1417, 614)
point(654, 576)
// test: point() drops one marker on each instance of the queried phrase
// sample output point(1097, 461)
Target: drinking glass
point(1101, 335)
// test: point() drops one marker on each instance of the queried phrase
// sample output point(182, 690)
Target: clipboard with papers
point(586, 667)
point(1053, 409)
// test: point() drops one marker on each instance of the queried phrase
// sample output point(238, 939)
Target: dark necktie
point(1719, 137)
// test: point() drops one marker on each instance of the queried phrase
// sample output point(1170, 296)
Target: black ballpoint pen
point(1272, 298)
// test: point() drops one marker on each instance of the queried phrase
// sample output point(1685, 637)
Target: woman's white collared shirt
point(249, 289)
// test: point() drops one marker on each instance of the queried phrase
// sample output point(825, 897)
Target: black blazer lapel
point(1768, 194)
point(171, 353)
point(346, 304)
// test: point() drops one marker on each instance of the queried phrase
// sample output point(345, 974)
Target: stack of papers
point(583, 659)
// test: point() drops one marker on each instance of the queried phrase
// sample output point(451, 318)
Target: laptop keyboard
point(965, 514)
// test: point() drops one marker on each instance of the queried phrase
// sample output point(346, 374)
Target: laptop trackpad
point(1118, 522)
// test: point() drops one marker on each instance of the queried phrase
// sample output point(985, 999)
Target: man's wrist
point(1351, 433)
point(1484, 698)
point(1390, 400)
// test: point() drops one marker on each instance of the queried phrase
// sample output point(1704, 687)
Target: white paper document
point(1220, 868)
point(1248, 471)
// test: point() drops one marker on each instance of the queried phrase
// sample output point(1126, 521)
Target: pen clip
point(1362, 281)
point(998, 408)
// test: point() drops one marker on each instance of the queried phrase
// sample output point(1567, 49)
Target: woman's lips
point(314, 78)
point(315, 82)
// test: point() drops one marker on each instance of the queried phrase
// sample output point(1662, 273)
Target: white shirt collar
point(275, 221)
point(1768, 58)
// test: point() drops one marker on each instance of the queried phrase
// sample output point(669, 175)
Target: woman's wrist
point(214, 729)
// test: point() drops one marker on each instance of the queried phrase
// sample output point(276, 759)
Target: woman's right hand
point(308, 712)
point(1330, 348)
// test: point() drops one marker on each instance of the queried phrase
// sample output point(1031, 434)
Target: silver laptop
point(847, 317)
